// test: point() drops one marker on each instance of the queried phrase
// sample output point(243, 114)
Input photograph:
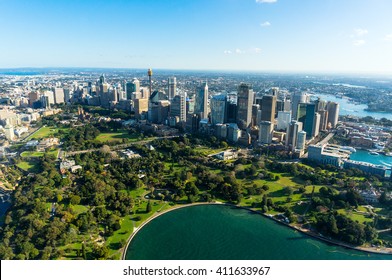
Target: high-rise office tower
point(292, 134)
point(58, 95)
point(9, 132)
point(333, 113)
point(320, 104)
point(301, 140)
point(45, 101)
point(149, 73)
point(201, 100)
point(171, 87)
point(113, 95)
point(268, 107)
point(102, 79)
point(158, 112)
point(157, 96)
point(256, 114)
point(309, 119)
point(323, 119)
point(296, 99)
point(245, 98)
point(274, 91)
point(284, 119)
point(50, 95)
point(33, 97)
point(131, 87)
point(231, 111)
point(316, 125)
point(178, 107)
point(265, 132)
point(67, 95)
point(218, 108)
point(140, 106)
point(301, 112)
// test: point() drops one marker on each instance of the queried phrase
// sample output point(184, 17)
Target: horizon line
point(335, 72)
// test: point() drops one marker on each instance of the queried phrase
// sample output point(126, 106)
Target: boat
point(374, 153)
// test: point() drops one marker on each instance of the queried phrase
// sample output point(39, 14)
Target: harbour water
point(362, 155)
point(349, 108)
point(5, 202)
point(221, 232)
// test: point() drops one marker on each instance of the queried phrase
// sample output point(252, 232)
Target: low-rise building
point(366, 167)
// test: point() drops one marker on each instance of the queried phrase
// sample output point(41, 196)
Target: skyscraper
point(33, 97)
point(301, 140)
point(178, 107)
point(292, 134)
point(268, 107)
point(218, 108)
point(58, 95)
point(309, 119)
point(296, 99)
point(231, 111)
point(201, 100)
point(131, 87)
point(265, 132)
point(245, 97)
point(284, 119)
point(333, 113)
point(171, 87)
point(301, 112)
point(323, 119)
point(316, 125)
point(9, 132)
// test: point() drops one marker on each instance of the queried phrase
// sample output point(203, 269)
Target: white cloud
point(257, 50)
point(266, 1)
point(238, 51)
point(265, 24)
point(359, 32)
point(388, 37)
point(358, 43)
point(227, 52)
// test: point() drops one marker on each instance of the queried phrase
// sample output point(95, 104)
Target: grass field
point(117, 137)
point(27, 154)
point(43, 132)
point(29, 166)
point(361, 218)
point(128, 223)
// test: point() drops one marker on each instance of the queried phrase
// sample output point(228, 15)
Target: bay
point(221, 232)
point(349, 108)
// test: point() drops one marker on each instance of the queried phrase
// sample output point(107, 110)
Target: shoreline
point(387, 251)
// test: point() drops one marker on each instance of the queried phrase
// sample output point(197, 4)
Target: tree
point(100, 252)
point(84, 254)
point(148, 207)
point(74, 200)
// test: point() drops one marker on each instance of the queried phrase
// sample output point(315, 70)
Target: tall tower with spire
point(201, 100)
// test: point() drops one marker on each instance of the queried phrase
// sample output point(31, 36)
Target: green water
point(220, 232)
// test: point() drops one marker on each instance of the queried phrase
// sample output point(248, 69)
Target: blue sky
point(286, 35)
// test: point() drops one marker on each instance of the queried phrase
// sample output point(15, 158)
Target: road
point(322, 142)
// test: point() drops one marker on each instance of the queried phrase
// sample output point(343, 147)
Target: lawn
point(117, 137)
point(355, 216)
point(29, 166)
point(27, 154)
point(207, 151)
point(128, 223)
point(79, 209)
point(43, 132)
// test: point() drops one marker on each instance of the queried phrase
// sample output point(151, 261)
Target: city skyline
point(244, 35)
